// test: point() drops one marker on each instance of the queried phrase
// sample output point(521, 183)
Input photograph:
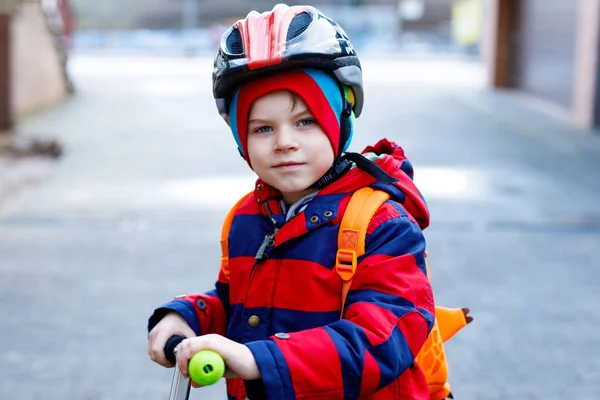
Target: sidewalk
point(21, 166)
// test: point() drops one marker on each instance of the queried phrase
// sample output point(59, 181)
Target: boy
point(288, 83)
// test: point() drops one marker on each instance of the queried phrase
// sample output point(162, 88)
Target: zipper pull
point(268, 242)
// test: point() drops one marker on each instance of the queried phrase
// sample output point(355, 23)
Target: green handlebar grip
point(206, 367)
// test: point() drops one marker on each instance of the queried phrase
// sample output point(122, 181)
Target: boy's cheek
point(258, 150)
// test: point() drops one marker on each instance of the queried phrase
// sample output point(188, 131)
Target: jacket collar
point(323, 208)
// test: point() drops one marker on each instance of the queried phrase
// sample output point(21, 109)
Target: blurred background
point(116, 172)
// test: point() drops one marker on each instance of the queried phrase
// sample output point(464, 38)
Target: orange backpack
point(363, 204)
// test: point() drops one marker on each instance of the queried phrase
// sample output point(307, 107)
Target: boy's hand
point(239, 360)
point(171, 324)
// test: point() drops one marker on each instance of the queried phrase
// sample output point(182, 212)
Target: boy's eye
point(262, 129)
point(307, 121)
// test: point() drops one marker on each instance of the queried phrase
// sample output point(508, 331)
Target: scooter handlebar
point(170, 347)
point(205, 367)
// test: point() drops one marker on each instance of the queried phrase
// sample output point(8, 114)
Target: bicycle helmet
point(281, 39)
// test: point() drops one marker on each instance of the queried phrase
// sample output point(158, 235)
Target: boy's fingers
point(151, 340)
point(187, 348)
point(183, 357)
point(229, 374)
point(156, 350)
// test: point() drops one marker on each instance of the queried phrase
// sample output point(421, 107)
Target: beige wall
point(37, 79)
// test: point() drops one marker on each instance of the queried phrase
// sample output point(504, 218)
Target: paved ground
point(120, 224)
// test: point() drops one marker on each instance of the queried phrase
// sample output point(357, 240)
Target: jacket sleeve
point(205, 313)
point(389, 313)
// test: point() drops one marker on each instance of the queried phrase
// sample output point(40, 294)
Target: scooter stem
point(180, 387)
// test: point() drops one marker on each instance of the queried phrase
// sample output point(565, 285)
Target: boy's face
point(287, 148)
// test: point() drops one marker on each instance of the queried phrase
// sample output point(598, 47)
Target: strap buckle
point(345, 263)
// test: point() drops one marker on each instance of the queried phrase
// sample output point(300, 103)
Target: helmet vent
point(234, 42)
point(298, 25)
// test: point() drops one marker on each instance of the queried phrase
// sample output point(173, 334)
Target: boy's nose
point(285, 140)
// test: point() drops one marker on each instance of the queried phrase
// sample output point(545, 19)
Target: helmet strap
point(345, 126)
point(340, 167)
point(344, 163)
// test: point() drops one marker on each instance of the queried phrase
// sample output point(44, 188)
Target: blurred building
point(32, 61)
point(161, 14)
point(168, 14)
point(425, 15)
point(547, 49)
point(6, 9)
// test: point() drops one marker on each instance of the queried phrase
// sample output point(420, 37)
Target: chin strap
point(339, 168)
point(345, 163)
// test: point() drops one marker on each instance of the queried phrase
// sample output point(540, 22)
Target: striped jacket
point(282, 297)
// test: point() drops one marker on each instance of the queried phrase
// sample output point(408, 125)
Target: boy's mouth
point(288, 164)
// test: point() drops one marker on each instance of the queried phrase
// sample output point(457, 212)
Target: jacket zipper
point(261, 254)
point(268, 242)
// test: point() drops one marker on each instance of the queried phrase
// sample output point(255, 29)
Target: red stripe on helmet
point(264, 35)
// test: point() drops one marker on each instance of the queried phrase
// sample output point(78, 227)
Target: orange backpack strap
point(352, 235)
point(225, 234)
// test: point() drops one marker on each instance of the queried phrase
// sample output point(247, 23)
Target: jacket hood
point(389, 157)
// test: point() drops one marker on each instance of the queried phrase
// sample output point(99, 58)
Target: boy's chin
point(290, 185)
point(295, 191)
point(287, 188)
